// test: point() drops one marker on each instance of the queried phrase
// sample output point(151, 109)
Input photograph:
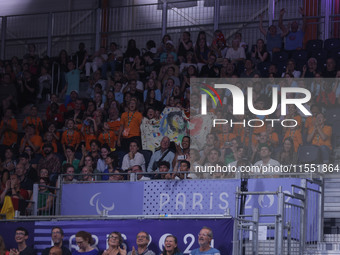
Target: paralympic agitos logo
point(239, 99)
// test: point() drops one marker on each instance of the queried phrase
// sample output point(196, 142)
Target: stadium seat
point(300, 57)
point(332, 115)
point(120, 155)
point(147, 156)
point(281, 68)
point(280, 57)
point(263, 68)
point(321, 56)
point(313, 45)
point(308, 154)
point(335, 53)
point(331, 44)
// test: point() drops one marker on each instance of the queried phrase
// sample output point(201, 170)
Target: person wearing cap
point(170, 49)
point(72, 80)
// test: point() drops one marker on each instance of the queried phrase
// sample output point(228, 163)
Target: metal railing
point(64, 30)
point(296, 225)
point(44, 203)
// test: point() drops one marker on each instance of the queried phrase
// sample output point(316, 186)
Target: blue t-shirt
point(119, 97)
point(212, 251)
point(294, 40)
point(273, 42)
point(72, 79)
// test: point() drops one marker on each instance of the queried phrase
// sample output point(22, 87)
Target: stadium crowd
point(100, 133)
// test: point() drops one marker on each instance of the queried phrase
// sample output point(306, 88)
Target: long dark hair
point(176, 249)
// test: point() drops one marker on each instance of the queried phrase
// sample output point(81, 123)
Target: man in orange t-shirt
point(130, 126)
point(320, 135)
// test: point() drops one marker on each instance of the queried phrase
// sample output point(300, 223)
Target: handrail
point(58, 79)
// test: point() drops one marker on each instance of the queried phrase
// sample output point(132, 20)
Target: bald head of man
point(55, 250)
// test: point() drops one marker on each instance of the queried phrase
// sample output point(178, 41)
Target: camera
point(182, 157)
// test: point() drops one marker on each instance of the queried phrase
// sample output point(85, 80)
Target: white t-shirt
point(235, 54)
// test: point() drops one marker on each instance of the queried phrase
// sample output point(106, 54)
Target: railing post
point(235, 231)
point(3, 36)
point(327, 19)
point(216, 14)
point(164, 17)
point(50, 33)
point(35, 199)
point(303, 216)
point(271, 11)
point(320, 212)
point(98, 28)
point(279, 223)
point(255, 231)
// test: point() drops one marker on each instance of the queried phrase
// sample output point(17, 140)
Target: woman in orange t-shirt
point(70, 137)
point(89, 131)
point(107, 136)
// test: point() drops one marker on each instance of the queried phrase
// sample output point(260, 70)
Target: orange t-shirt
point(296, 136)
point(108, 137)
point(309, 122)
point(245, 140)
point(88, 138)
point(58, 135)
point(299, 121)
point(114, 126)
point(35, 139)
point(9, 136)
point(317, 140)
point(259, 130)
point(131, 121)
point(70, 139)
point(35, 121)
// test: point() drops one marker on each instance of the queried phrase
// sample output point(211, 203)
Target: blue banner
point(186, 231)
point(189, 197)
point(93, 198)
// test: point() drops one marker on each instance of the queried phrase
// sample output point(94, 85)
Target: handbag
point(155, 164)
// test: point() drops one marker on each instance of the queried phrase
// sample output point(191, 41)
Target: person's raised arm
point(83, 63)
point(281, 26)
point(262, 30)
point(304, 19)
